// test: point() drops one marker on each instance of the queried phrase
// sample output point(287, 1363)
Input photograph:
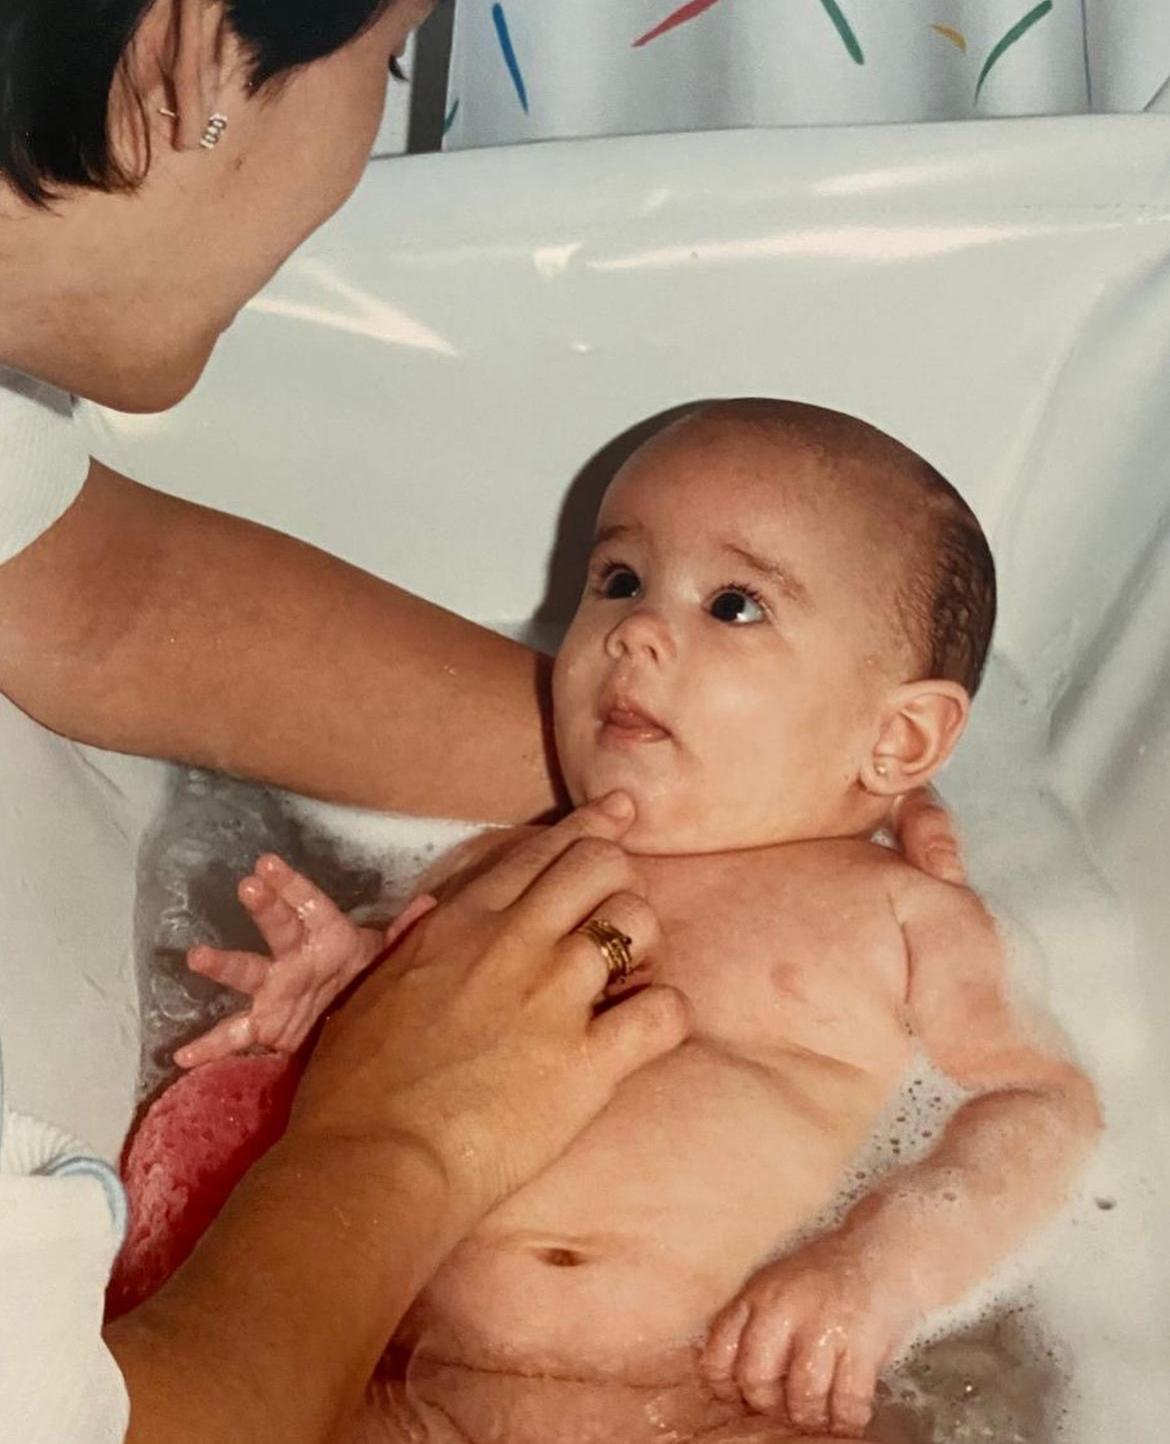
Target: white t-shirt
point(43, 461)
point(62, 1211)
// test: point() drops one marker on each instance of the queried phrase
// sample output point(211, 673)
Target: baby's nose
point(641, 632)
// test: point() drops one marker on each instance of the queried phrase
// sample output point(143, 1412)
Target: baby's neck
point(647, 847)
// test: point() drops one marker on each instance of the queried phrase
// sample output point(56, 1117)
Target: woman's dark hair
point(59, 60)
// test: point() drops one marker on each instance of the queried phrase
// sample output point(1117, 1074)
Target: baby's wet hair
point(946, 604)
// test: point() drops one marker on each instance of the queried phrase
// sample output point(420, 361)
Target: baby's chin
point(663, 829)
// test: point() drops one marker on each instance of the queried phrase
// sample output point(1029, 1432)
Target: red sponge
point(191, 1148)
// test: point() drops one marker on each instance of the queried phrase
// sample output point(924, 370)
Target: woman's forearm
point(146, 624)
point(272, 1328)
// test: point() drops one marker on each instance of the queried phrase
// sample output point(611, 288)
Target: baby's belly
point(613, 1262)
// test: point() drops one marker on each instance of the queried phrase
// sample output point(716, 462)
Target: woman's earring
point(215, 128)
point(880, 768)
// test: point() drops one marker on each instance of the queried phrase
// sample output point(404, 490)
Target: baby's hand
point(807, 1337)
point(316, 954)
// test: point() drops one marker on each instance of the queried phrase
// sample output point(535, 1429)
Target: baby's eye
point(738, 606)
point(618, 583)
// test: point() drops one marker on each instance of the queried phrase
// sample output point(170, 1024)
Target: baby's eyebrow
point(614, 532)
point(775, 572)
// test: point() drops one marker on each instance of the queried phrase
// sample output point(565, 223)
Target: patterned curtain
point(532, 69)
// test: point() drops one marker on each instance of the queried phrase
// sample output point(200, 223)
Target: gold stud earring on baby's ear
point(880, 768)
point(216, 125)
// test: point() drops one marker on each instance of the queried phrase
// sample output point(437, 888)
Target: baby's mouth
point(623, 723)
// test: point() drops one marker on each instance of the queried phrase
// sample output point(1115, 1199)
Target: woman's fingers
point(414, 911)
point(637, 1030)
point(926, 833)
point(511, 877)
point(580, 958)
point(492, 998)
point(574, 887)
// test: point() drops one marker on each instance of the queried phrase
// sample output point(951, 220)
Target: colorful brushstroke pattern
point(844, 30)
point(1017, 32)
point(956, 37)
point(694, 8)
point(508, 50)
point(690, 11)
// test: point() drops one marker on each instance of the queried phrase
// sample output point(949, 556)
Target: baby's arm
point(1009, 1155)
point(809, 1334)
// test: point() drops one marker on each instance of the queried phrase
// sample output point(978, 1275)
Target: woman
point(159, 159)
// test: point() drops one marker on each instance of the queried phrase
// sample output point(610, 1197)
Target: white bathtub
point(418, 387)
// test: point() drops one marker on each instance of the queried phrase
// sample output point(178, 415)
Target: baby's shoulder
point(920, 899)
point(841, 876)
point(852, 861)
point(861, 868)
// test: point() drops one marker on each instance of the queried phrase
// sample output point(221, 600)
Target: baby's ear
point(921, 724)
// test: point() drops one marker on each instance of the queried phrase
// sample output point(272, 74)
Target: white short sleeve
point(62, 1219)
point(43, 459)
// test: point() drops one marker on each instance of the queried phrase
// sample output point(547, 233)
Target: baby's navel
point(561, 1258)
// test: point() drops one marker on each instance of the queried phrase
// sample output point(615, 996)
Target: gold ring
point(615, 948)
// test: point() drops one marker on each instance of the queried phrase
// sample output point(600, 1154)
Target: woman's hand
point(926, 835)
point(476, 1043)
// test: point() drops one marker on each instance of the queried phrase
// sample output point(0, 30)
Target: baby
point(786, 615)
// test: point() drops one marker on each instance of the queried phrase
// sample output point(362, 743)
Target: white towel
point(62, 1217)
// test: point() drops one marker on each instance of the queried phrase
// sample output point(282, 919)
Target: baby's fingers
point(230, 1036)
point(764, 1352)
point(718, 1358)
point(285, 905)
point(245, 972)
point(851, 1400)
point(811, 1372)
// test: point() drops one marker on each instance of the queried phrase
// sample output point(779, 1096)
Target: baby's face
point(729, 658)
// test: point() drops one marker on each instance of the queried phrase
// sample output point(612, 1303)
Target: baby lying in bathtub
point(785, 617)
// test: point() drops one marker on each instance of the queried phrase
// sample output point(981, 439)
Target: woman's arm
point(147, 624)
point(426, 1102)
point(272, 1329)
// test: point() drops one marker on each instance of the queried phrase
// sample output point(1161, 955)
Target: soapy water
point(1003, 1367)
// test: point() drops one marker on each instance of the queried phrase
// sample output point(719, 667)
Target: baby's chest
point(787, 972)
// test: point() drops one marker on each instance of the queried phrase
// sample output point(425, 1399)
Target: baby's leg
point(444, 1403)
point(765, 1431)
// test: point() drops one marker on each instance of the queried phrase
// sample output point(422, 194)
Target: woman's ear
point(193, 59)
point(923, 722)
